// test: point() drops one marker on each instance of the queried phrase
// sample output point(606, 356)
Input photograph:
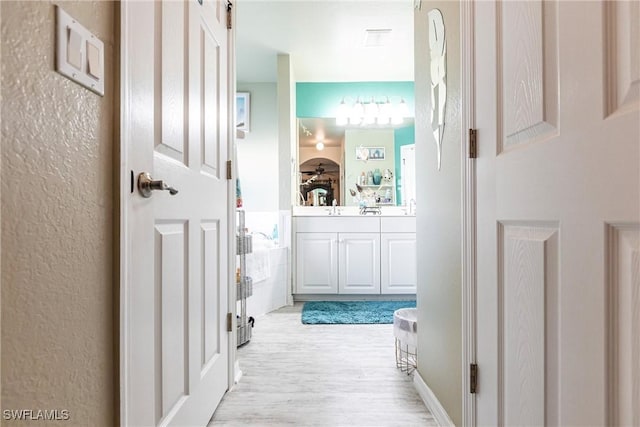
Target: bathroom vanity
point(340, 252)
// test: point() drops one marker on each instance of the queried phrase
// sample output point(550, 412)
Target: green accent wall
point(322, 99)
point(401, 136)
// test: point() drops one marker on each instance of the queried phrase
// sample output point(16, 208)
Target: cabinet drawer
point(337, 224)
point(398, 224)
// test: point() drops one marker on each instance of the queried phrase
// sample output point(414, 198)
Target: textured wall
point(439, 219)
point(57, 269)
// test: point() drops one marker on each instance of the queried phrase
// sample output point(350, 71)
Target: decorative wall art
point(438, 51)
point(243, 111)
point(370, 153)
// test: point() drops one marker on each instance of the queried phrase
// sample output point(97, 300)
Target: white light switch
point(79, 53)
point(94, 60)
point(74, 54)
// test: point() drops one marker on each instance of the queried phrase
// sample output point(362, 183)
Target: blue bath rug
point(351, 312)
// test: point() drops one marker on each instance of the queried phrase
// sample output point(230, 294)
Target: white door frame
point(127, 185)
point(467, 117)
point(234, 368)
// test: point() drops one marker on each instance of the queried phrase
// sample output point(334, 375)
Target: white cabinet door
point(316, 263)
point(398, 263)
point(359, 263)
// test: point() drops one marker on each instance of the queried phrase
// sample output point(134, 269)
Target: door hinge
point(229, 322)
point(473, 144)
point(229, 169)
point(229, 19)
point(473, 377)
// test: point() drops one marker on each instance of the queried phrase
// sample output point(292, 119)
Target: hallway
point(320, 375)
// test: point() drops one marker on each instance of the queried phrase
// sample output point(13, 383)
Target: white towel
point(258, 265)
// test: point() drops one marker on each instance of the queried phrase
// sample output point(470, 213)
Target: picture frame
point(243, 111)
point(370, 153)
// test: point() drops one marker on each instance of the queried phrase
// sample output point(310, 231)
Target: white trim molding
point(431, 401)
point(469, 331)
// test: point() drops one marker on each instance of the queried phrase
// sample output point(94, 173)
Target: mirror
point(320, 182)
point(355, 163)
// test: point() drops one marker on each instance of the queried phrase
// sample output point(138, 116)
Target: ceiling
point(325, 39)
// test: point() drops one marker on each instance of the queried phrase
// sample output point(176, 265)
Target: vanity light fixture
point(372, 112)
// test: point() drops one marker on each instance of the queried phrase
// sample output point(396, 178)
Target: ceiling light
point(320, 146)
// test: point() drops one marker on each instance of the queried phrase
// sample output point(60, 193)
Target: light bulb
point(343, 114)
point(357, 113)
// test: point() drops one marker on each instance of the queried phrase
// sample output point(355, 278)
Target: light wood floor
point(320, 375)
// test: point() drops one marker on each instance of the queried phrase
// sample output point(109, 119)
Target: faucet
point(334, 208)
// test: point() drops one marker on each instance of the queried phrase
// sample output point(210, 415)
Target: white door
point(359, 263)
point(174, 302)
point(398, 263)
point(316, 263)
point(558, 225)
point(408, 173)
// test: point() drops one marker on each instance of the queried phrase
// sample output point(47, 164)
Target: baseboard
point(431, 401)
point(353, 297)
point(237, 372)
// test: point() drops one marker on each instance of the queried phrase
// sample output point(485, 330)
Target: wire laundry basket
point(405, 330)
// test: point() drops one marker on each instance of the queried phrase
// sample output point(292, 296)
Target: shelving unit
point(384, 187)
point(244, 283)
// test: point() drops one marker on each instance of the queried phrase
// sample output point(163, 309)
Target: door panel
point(211, 75)
point(175, 126)
point(211, 337)
point(623, 296)
point(171, 320)
point(527, 323)
point(528, 76)
point(558, 212)
point(170, 87)
point(622, 50)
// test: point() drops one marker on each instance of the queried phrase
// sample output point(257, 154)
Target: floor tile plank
point(320, 375)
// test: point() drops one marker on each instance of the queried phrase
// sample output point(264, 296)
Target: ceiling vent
point(377, 38)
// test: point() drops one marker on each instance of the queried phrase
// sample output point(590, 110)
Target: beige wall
point(439, 220)
point(57, 221)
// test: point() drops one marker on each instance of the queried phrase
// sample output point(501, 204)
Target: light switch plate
point(76, 45)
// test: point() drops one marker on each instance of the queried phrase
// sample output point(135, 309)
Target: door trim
point(123, 228)
point(469, 244)
point(233, 370)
